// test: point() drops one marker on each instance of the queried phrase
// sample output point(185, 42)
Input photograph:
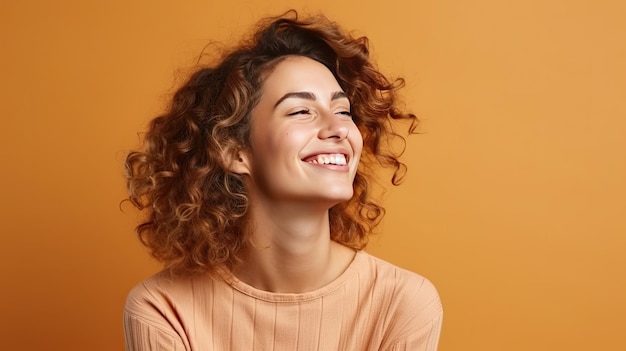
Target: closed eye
point(345, 113)
point(304, 111)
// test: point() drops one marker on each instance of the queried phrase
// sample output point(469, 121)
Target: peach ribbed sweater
point(373, 305)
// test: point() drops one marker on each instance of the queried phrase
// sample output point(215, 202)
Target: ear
point(237, 161)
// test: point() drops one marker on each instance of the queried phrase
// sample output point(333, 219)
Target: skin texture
point(300, 125)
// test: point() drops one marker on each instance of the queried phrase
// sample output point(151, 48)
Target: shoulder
point(153, 314)
point(412, 306)
point(154, 292)
point(164, 300)
point(403, 282)
point(160, 310)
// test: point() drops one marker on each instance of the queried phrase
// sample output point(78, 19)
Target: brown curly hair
point(195, 208)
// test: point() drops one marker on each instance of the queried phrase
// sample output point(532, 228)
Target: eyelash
point(307, 111)
point(303, 111)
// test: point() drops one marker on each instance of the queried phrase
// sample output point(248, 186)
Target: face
point(304, 146)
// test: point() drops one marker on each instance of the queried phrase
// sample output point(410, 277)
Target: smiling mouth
point(327, 159)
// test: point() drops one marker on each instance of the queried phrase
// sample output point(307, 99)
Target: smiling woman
point(255, 184)
point(301, 123)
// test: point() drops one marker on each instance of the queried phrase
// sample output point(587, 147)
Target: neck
point(291, 251)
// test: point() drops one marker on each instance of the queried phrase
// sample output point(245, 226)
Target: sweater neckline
point(230, 279)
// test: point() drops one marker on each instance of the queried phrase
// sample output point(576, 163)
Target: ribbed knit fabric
point(373, 305)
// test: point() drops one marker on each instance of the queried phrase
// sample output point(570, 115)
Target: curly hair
point(195, 208)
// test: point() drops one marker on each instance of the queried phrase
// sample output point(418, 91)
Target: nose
point(333, 126)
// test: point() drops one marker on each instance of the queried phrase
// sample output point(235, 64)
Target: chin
point(339, 197)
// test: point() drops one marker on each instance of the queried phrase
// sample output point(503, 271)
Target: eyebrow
point(309, 96)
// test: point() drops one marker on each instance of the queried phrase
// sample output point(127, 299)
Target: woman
point(256, 188)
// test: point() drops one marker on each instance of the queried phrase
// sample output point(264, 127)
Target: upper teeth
point(337, 159)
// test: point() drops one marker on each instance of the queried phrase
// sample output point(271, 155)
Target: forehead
point(298, 73)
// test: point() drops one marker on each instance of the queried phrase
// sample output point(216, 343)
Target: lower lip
point(338, 168)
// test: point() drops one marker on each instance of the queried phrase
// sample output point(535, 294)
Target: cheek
point(290, 139)
point(274, 149)
point(356, 139)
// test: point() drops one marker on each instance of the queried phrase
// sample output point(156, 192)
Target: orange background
point(514, 205)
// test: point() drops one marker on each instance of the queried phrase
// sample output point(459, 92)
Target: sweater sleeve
point(141, 335)
point(417, 324)
point(425, 338)
point(151, 321)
